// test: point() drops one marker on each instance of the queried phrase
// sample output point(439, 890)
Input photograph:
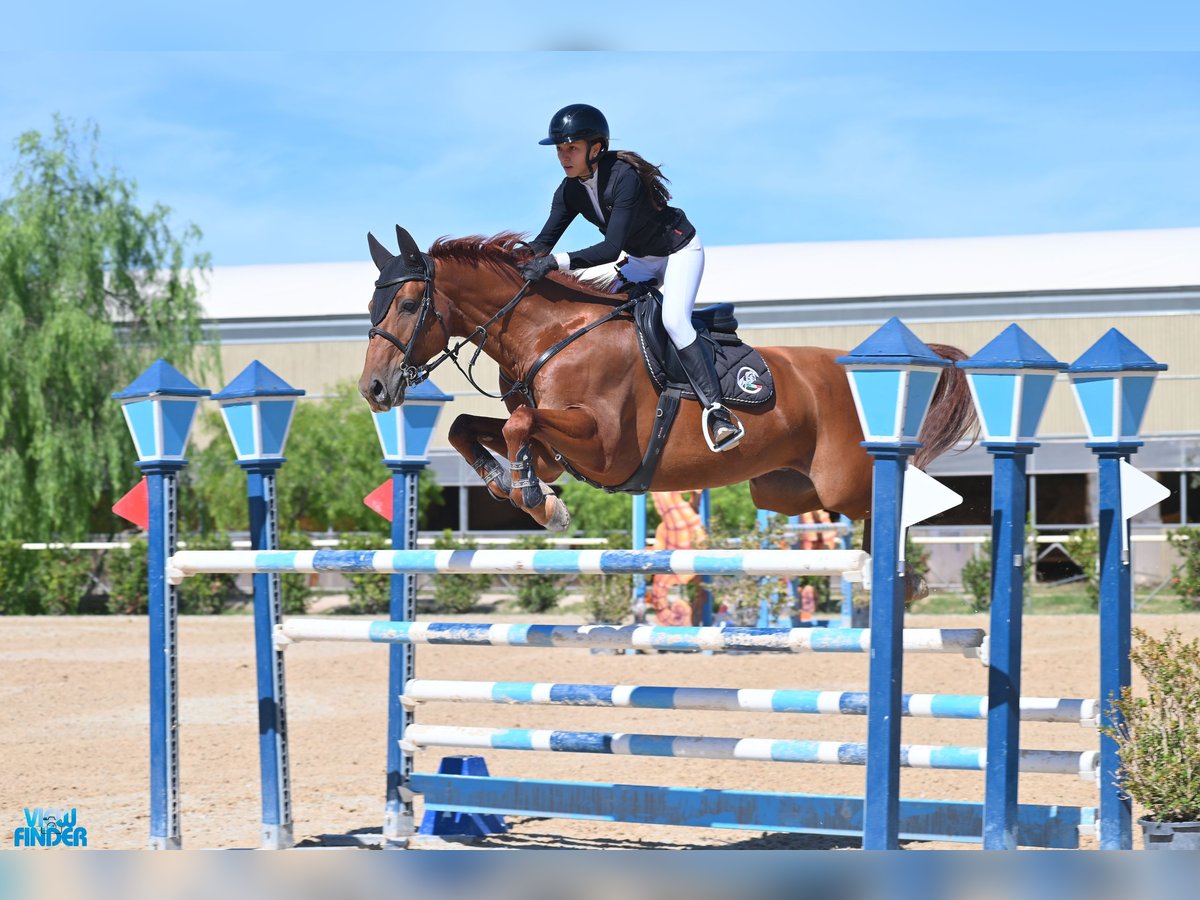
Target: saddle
point(746, 380)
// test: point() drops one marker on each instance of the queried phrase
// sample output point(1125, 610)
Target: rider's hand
point(538, 267)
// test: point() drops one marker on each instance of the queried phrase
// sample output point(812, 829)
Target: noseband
point(411, 375)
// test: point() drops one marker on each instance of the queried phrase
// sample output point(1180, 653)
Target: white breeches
point(678, 276)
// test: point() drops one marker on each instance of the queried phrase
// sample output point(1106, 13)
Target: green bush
point(64, 579)
point(1083, 546)
point(18, 581)
point(1186, 542)
point(608, 599)
point(538, 593)
point(126, 578)
point(294, 591)
point(1158, 740)
point(457, 593)
point(977, 571)
point(43, 582)
point(201, 595)
point(369, 594)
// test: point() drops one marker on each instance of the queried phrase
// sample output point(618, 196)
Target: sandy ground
point(74, 727)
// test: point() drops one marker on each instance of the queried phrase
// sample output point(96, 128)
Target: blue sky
point(292, 155)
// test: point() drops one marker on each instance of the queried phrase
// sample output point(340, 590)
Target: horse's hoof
point(915, 587)
point(559, 517)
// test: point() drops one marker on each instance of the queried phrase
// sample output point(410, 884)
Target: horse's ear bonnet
point(410, 265)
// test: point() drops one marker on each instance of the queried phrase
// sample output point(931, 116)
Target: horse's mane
point(502, 253)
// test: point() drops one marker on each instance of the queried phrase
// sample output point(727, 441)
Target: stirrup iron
point(728, 443)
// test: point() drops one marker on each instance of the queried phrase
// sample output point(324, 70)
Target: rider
point(626, 198)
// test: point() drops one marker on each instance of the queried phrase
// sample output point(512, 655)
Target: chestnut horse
point(592, 405)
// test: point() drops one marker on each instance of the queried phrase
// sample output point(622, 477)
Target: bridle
point(413, 375)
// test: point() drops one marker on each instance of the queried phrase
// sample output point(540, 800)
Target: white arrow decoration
point(925, 497)
point(1139, 492)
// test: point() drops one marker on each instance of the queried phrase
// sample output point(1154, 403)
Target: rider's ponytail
point(653, 180)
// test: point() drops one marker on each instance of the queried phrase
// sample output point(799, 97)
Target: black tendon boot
point(721, 428)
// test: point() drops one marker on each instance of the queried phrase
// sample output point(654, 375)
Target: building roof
point(751, 273)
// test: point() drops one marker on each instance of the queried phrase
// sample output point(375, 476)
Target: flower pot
point(1170, 835)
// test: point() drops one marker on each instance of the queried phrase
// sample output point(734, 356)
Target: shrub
point(43, 582)
point(608, 599)
point(977, 571)
point(294, 590)
point(1083, 546)
point(201, 595)
point(369, 594)
point(1186, 542)
point(64, 578)
point(457, 593)
point(126, 579)
point(18, 580)
point(1159, 738)
point(538, 593)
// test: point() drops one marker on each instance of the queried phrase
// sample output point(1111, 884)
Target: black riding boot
point(722, 430)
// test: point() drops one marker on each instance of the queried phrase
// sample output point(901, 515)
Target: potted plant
point(1158, 740)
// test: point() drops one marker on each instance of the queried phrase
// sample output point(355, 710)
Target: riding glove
point(538, 267)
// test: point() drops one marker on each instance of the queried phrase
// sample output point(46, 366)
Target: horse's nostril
point(377, 389)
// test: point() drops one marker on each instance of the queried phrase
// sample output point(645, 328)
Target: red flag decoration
point(380, 500)
point(135, 506)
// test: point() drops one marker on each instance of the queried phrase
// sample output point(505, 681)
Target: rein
point(414, 375)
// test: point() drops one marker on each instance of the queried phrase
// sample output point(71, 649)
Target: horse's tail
point(951, 413)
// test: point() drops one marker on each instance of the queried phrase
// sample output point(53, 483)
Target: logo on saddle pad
point(748, 380)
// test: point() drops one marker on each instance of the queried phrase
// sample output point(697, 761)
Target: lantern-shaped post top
point(258, 407)
point(1112, 381)
point(159, 406)
point(405, 431)
point(892, 375)
point(1010, 381)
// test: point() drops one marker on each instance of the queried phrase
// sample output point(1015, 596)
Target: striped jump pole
point(630, 696)
point(1050, 762)
point(851, 563)
point(967, 641)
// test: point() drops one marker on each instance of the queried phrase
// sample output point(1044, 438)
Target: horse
point(590, 407)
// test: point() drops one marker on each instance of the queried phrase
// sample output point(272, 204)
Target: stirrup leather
point(705, 429)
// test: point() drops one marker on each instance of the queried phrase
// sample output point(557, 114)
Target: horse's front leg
point(550, 428)
point(472, 437)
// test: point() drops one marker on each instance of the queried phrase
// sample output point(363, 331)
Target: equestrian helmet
point(577, 122)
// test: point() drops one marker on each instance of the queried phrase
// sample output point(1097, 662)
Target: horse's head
point(402, 317)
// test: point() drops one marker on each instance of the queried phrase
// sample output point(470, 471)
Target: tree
point(93, 287)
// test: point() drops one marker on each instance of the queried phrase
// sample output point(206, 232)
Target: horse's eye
point(408, 306)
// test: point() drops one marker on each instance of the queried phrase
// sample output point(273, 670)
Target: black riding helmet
point(577, 122)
